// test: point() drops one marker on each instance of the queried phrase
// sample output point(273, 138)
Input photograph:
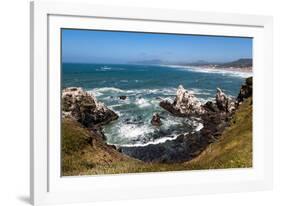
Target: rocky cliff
point(84, 107)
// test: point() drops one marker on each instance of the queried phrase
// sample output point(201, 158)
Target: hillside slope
point(234, 149)
point(83, 150)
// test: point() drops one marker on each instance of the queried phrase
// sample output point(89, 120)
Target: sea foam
point(131, 132)
point(212, 70)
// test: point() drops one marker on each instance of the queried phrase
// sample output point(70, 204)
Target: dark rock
point(165, 104)
point(246, 90)
point(211, 107)
point(123, 97)
point(249, 81)
point(156, 121)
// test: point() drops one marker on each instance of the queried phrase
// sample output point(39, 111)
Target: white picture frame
point(47, 185)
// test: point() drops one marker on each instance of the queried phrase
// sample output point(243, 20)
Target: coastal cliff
point(224, 141)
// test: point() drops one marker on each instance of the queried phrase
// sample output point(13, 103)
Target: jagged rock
point(224, 103)
point(156, 121)
point(184, 104)
point(83, 107)
point(221, 100)
point(246, 90)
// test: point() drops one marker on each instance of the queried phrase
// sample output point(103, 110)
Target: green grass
point(86, 154)
point(234, 149)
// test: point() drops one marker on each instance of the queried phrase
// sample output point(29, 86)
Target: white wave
point(197, 91)
point(115, 105)
point(95, 93)
point(155, 142)
point(204, 100)
point(105, 68)
point(108, 89)
point(213, 70)
point(141, 102)
point(162, 91)
point(171, 121)
point(131, 131)
point(108, 68)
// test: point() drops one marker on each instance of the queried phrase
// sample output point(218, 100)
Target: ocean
point(144, 87)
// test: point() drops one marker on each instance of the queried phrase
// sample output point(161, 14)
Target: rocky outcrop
point(185, 104)
point(84, 107)
point(224, 103)
point(246, 90)
point(156, 120)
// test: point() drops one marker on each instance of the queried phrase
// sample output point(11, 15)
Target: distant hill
point(240, 63)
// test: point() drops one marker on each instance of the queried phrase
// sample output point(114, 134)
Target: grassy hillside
point(234, 149)
point(85, 153)
point(82, 150)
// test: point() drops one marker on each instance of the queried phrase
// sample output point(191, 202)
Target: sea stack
point(185, 104)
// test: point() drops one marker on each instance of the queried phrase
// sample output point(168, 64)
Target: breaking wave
point(222, 71)
point(131, 132)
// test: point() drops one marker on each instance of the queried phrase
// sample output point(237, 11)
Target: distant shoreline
point(234, 69)
point(240, 71)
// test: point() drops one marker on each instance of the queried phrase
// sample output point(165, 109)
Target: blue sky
point(90, 46)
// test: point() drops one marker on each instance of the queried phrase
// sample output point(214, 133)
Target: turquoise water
point(145, 86)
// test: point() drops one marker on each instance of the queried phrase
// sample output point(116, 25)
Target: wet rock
point(84, 107)
point(185, 104)
point(123, 97)
point(156, 121)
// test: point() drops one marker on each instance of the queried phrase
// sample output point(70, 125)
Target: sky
point(92, 46)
